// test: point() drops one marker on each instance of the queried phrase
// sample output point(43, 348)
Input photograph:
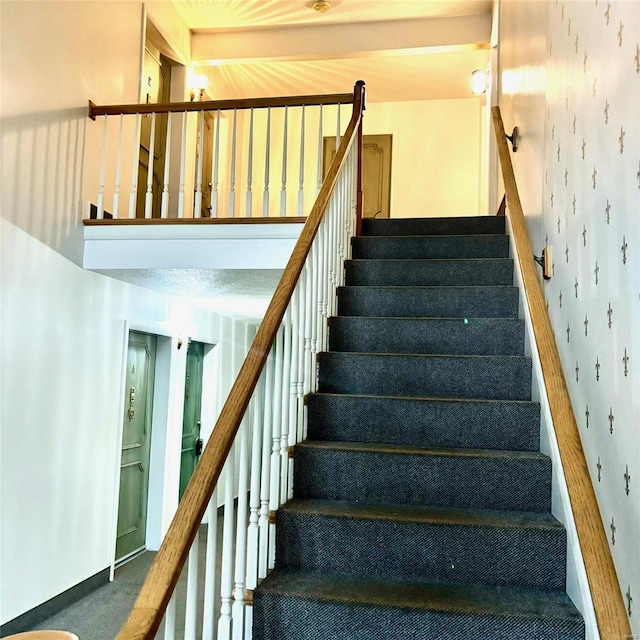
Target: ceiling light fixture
point(321, 6)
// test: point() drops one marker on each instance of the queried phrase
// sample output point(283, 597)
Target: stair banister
point(610, 612)
point(155, 594)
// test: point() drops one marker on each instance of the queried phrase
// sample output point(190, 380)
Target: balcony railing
point(261, 157)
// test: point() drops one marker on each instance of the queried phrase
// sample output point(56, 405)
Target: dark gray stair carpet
point(348, 608)
point(400, 542)
point(430, 273)
point(471, 225)
point(434, 247)
point(429, 302)
point(421, 504)
point(476, 336)
point(433, 422)
point(491, 377)
point(397, 474)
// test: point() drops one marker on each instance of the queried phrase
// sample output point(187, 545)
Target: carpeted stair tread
point(425, 422)
point(417, 514)
point(515, 608)
point(465, 225)
point(402, 542)
point(499, 301)
point(471, 336)
point(399, 474)
point(470, 272)
point(495, 377)
point(439, 246)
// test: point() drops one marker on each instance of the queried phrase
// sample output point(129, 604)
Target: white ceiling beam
point(340, 41)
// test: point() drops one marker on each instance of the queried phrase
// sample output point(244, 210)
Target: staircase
point(421, 502)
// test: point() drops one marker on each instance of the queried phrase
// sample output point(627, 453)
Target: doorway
point(136, 445)
point(191, 420)
point(376, 172)
point(156, 89)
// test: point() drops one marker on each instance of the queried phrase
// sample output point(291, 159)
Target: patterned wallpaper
point(589, 213)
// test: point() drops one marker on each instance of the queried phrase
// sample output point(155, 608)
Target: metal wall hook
point(514, 138)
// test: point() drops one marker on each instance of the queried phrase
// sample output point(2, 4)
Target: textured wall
point(586, 205)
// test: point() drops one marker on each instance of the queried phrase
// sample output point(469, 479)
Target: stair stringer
point(577, 583)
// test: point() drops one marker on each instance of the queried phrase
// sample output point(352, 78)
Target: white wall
point(63, 329)
point(571, 82)
point(437, 155)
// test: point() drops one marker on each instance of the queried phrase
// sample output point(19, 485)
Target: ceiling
point(403, 49)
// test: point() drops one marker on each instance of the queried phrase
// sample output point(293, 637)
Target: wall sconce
point(198, 84)
point(479, 82)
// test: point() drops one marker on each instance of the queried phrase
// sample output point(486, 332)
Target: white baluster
point(232, 176)
point(322, 289)
point(274, 483)
point(170, 619)
point(267, 158)
point(103, 168)
point(116, 193)
point(241, 531)
point(284, 398)
point(164, 207)
point(250, 167)
point(148, 201)
point(226, 573)
point(209, 613)
point(216, 169)
point(338, 127)
point(293, 389)
point(192, 592)
point(320, 151)
point(308, 328)
point(283, 193)
point(301, 339)
point(301, 174)
point(183, 166)
point(254, 494)
point(326, 251)
point(197, 210)
point(315, 268)
point(331, 221)
point(135, 166)
point(265, 475)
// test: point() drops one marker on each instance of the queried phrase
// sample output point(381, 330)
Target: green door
point(136, 441)
point(191, 443)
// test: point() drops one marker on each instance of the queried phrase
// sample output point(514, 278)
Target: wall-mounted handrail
point(152, 601)
point(611, 616)
point(219, 105)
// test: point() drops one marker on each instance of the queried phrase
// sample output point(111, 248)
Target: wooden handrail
point(149, 608)
point(608, 603)
point(218, 105)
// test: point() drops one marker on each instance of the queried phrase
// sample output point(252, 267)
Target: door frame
point(166, 425)
point(160, 437)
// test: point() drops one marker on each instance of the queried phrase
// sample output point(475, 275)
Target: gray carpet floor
point(101, 614)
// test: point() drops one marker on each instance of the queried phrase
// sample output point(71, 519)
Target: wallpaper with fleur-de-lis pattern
point(587, 209)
